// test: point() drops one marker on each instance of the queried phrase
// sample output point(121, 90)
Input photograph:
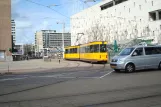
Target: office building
point(13, 31)
point(51, 39)
point(121, 20)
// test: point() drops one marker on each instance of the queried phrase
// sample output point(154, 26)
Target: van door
point(152, 57)
point(138, 58)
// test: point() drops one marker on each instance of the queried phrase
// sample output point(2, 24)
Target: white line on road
point(9, 79)
point(106, 74)
point(88, 77)
point(51, 76)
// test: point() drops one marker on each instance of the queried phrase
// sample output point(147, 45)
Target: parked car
point(137, 58)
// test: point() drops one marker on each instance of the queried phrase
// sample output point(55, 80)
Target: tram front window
point(103, 48)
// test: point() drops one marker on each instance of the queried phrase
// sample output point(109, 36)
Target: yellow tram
point(71, 53)
point(91, 52)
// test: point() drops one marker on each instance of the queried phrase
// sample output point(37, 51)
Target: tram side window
point(91, 48)
point(71, 51)
point(75, 50)
point(87, 49)
point(96, 48)
point(82, 49)
point(103, 48)
point(66, 51)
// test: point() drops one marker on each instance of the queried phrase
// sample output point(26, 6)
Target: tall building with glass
point(13, 31)
point(51, 39)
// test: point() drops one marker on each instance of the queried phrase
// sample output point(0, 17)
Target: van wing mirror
point(134, 54)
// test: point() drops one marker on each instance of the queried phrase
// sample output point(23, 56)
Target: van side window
point(158, 50)
point(138, 52)
point(152, 50)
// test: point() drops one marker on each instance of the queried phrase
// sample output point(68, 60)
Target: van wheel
point(159, 67)
point(129, 68)
point(117, 70)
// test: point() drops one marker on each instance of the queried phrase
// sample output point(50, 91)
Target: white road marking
point(9, 79)
point(48, 76)
point(106, 74)
point(88, 77)
point(52, 76)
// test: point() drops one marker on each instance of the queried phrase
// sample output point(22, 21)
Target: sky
point(34, 15)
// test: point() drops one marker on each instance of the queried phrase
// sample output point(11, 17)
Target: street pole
point(63, 31)
point(63, 38)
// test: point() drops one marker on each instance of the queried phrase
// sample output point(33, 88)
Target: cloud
point(23, 24)
point(14, 13)
point(30, 17)
point(15, 1)
point(43, 25)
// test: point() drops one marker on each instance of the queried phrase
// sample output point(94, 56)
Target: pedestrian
point(27, 57)
point(59, 61)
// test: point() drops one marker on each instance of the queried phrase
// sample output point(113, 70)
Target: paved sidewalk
point(37, 65)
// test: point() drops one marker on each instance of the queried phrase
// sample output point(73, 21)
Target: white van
point(136, 58)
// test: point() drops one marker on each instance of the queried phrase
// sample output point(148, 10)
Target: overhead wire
point(47, 7)
point(86, 4)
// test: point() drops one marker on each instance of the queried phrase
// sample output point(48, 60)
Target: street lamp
point(62, 36)
point(78, 38)
point(63, 23)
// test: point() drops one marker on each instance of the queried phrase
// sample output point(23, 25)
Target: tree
point(28, 49)
point(96, 32)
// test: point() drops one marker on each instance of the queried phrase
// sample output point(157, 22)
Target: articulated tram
point(91, 52)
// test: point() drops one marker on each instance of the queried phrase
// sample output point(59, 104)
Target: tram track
point(46, 85)
point(123, 90)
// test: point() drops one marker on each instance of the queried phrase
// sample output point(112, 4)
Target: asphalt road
point(93, 86)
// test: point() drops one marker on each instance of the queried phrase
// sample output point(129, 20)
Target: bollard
point(8, 67)
point(92, 63)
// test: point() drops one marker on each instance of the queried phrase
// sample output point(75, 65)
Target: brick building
point(5, 29)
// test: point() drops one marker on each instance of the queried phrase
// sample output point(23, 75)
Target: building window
point(129, 10)
point(119, 1)
point(107, 5)
point(134, 17)
point(153, 33)
point(152, 16)
point(152, 3)
point(159, 15)
point(160, 27)
point(134, 4)
point(145, 1)
point(140, 7)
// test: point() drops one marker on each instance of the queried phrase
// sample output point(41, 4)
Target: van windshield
point(126, 51)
